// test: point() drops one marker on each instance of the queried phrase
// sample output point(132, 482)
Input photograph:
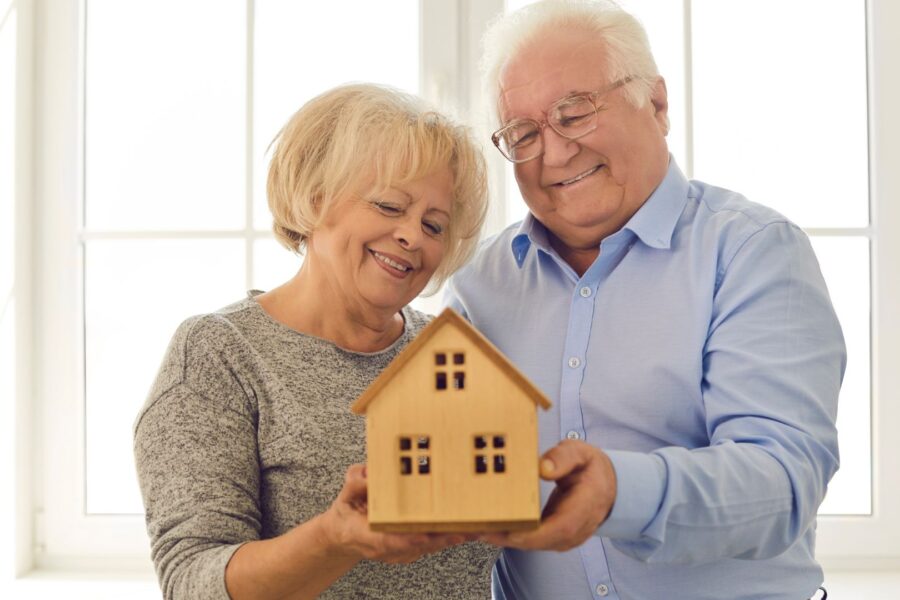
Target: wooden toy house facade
point(451, 430)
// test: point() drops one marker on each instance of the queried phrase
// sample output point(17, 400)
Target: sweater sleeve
point(196, 457)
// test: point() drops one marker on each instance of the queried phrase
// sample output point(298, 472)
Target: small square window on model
point(459, 380)
point(440, 376)
point(451, 436)
point(420, 452)
point(480, 445)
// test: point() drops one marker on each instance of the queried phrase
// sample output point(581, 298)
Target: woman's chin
point(393, 302)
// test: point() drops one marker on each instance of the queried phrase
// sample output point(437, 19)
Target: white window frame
point(52, 531)
point(873, 541)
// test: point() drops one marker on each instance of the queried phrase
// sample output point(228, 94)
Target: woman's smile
point(394, 265)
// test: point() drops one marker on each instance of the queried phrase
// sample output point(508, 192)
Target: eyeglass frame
point(592, 97)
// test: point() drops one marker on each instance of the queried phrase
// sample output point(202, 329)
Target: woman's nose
point(408, 233)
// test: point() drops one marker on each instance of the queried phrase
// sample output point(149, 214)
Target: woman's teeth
point(390, 262)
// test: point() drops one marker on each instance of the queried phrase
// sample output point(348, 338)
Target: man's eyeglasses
point(571, 117)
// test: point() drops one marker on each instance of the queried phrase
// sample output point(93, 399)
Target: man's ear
point(659, 98)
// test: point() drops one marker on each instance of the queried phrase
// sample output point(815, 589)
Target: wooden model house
point(451, 435)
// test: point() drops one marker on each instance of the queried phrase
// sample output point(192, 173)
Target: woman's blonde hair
point(363, 138)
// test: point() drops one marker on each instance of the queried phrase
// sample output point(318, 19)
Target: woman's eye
point(388, 209)
point(433, 228)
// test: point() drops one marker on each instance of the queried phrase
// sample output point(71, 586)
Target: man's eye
point(573, 120)
point(520, 141)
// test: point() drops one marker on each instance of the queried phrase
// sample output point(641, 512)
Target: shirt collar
point(531, 231)
point(654, 223)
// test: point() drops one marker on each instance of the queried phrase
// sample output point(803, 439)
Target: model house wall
point(451, 432)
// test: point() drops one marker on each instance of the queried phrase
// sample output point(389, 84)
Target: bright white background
point(132, 160)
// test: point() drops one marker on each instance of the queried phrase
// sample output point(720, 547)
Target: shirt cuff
point(640, 484)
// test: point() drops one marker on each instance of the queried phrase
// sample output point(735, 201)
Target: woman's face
point(379, 251)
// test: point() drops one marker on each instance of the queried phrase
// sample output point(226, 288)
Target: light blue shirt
point(701, 351)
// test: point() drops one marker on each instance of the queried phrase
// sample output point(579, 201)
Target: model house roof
point(449, 318)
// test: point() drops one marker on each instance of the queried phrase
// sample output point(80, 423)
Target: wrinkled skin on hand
point(346, 527)
point(582, 500)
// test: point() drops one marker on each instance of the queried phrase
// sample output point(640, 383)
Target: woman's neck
point(310, 305)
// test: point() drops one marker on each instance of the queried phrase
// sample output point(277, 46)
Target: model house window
point(459, 380)
point(415, 450)
point(440, 380)
point(458, 370)
point(486, 453)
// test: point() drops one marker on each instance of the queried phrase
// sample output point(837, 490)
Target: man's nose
point(558, 150)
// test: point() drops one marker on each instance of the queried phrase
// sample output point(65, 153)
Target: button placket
point(575, 359)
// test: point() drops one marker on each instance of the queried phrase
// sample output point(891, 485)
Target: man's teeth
point(579, 177)
point(388, 261)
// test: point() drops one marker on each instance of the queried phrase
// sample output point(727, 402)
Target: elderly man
point(684, 333)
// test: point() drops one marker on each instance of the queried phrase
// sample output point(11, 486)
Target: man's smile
point(578, 177)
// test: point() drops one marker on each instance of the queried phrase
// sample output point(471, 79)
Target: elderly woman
point(246, 449)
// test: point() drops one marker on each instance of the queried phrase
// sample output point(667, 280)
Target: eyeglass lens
point(571, 118)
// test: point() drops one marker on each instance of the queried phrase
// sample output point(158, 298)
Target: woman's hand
point(345, 528)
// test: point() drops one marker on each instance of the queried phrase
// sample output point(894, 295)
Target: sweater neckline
point(257, 308)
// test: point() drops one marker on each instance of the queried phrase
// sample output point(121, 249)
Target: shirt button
point(602, 589)
point(573, 435)
point(585, 292)
point(574, 362)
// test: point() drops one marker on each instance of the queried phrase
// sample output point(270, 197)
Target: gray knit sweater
point(246, 433)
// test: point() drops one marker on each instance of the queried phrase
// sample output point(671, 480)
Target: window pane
point(8, 355)
point(165, 114)
point(664, 22)
point(778, 119)
point(7, 154)
point(273, 264)
point(305, 48)
point(136, 294)
point(8, 430)
point(845, 265)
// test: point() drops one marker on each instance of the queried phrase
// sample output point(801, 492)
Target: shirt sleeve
point(196, 459)
point(772, 369)
point(452, 299)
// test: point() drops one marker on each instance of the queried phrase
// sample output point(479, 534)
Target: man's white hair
point(627, 48)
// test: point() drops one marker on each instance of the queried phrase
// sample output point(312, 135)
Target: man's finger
point(564, 458)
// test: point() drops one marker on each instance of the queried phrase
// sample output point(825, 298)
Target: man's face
point(583, 190)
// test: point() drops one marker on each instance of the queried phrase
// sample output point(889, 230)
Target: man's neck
point(580, 259)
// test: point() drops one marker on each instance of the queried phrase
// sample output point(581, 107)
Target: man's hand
point(584, 496)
